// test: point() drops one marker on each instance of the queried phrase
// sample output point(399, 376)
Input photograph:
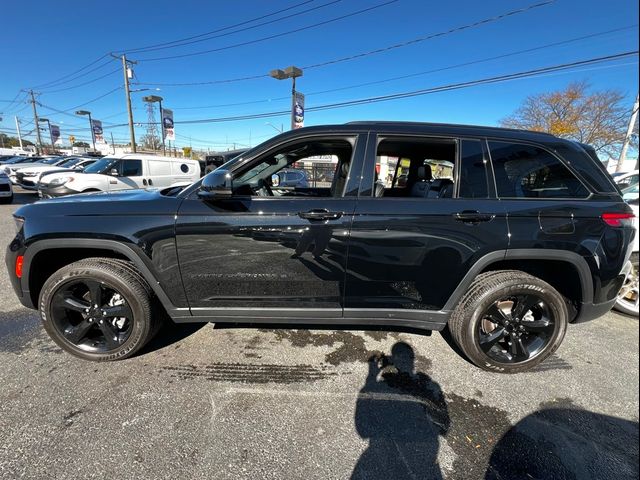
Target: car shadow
point(23, 197)
point(169, 334)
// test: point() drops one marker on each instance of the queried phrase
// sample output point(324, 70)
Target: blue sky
point(57, 38)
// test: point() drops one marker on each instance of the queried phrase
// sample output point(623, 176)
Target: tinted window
point(473, 171)
point(525, 171)
point(131, 168)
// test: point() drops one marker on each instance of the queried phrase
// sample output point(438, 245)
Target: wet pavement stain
point(349, 347)
point(250, 373)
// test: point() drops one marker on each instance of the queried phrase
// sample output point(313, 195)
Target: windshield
point(101, 165)
point(51, 161)
point(69, 163)
point(17, 160)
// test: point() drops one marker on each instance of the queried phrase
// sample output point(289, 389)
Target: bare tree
point(597, 118)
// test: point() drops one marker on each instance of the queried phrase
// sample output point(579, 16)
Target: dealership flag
point(98, 134)
point(55, 134)
point(167, 125)
point(297, 111)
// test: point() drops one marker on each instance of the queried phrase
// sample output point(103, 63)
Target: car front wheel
point(509, 321)
point(98, 309)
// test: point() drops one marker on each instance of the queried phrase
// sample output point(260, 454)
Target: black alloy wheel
point(516, 328)
point(509, 321)
point(99, 309)
point(92, 315)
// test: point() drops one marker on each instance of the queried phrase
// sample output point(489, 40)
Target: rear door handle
point(474, 216)
point(320, 214)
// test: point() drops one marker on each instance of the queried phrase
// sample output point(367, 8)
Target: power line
point(276, 35)
point(44, 85)
point(189, 41)
point(414, 93)
point(373, 52)
point(416, 74)
point(84, 83)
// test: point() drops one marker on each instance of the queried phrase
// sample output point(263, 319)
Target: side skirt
point(419, 320)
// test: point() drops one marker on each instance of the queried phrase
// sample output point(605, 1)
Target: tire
point(113, 279)
point(627, 301)
point(488, 327)
point(6, 200)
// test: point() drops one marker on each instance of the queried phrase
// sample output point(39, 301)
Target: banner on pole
point(297, 111)
point(55, 134)
point(98, 133)
point(167, 125)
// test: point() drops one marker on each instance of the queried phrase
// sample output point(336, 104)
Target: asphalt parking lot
point(227, 403)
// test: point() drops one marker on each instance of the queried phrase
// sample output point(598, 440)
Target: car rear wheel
point(628, 301)
point(509, 321)
point(98, 309)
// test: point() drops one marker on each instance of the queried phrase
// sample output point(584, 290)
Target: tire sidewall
point(67, 275)
point(558, 310)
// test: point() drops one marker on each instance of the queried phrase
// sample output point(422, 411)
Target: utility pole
point(627, 138)
point(113, 145)
point(127, 93)
point(18, 129)
point(35, 122)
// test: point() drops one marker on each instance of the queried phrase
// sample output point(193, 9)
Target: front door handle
point(320, 214)
point(474, 216)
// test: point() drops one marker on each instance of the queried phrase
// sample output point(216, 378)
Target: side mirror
point(114, 172)
point(275, 180)
point(216, 184)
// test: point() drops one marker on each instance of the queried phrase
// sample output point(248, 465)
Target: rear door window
point(527, 171)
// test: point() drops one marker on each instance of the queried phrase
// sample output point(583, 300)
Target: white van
point(122, 172)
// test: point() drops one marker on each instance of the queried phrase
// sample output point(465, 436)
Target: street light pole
point(291, 72)
point(93, 137)
point(48, 125)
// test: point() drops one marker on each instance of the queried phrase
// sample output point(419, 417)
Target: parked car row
point(58, 176)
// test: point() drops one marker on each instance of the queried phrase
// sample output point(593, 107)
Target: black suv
point(501, 236)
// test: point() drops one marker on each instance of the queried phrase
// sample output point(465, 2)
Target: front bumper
point(6, 189)
point(591, 311)
point(45, 191)
point(14, 249)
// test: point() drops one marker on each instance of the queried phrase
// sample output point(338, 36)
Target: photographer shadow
point(402, 413)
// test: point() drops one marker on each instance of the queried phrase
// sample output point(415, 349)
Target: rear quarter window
point(527, 171)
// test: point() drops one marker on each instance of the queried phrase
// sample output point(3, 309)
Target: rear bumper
point(591, 311)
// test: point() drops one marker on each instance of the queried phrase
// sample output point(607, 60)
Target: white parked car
point(121, 172)
point(12, 169)
point(6, 189)
point(28, 177)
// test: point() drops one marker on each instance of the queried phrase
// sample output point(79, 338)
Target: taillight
point(618, 219)
point(19, 260)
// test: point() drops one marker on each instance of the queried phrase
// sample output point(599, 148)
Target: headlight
point(56, 182)
point(19, 223)
point(30, 174)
